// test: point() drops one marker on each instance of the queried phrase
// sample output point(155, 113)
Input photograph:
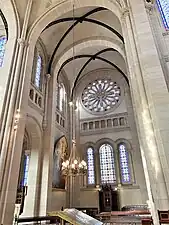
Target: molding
point(166, 58)
point(32, 105)
point(149, 7)
point(58, 190)
point(128, 186)
point(106, 130)
point(166, 33)
point(119, 187)
point(110, 116)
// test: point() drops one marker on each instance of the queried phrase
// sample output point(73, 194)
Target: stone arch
point(65, 7)
point(35, 135)
point(89, 144)
point(10, 14)
point(107, 43)
point(103, 141)
point(126, 142)
point(34, 131)
point(9, 11)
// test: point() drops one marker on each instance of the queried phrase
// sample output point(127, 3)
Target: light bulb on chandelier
point(74, 166)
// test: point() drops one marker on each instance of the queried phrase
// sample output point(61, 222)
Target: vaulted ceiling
point(81, 26)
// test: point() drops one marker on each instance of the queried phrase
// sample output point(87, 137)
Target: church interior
point(84, 91)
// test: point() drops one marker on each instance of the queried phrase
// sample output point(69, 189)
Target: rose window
point(101, 95)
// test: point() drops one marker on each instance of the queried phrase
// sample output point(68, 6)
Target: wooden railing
point(135, 217)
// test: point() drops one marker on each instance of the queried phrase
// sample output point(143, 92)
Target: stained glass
point(163, 6)
point(107, 164)
point(124, 164)
point(90, 166)
point(2, 49)
point(101, 95)
point(62, 98)
point(38, 72)
point(26, 168)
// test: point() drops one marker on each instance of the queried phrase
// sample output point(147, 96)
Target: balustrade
point(36, 97)
point(119, 121)
point(60, 119)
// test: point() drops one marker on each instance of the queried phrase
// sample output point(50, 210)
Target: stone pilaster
point(149, 94)
point(47, 151)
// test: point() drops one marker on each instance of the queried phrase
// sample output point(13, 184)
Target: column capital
point(149, 7)
point(22, 42)
point(44, 124)
point(166, 58)
point(27, 152)
point(125, 13)
point(48, 76)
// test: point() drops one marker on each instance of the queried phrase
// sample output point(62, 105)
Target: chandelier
point(74, 166)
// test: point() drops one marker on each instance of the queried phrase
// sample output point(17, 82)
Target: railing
point(36, 97)
point(60, 119)
point(123, 220)
point(118, 121)
point(38, 220)
point(136, 217)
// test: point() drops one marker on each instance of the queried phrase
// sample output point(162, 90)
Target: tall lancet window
point(61, 98)
point(163, 6)
point(26, 168)
point(38, 72)
point(90, 166)
point(124, 164)
point(2, 49)
point(107, 164)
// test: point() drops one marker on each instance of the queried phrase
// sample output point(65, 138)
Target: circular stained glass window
point(101, 95)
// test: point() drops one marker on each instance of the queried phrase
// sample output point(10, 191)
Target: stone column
point(150, 98)
point(46, 101)
point(48, 147)
point(137, 177)
point(12, 149)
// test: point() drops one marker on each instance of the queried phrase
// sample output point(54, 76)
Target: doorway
point(108, 199)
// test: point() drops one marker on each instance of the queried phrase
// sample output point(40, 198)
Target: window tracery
point(3, 41)
point(163, 6)
point(124, 164)
point(107, 164)
point(101, 95)
point(90, 165)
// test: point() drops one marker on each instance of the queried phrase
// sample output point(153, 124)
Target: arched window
point(61, 98)
point(163, 6)
point(124, 164)
point(26, 168)
point(38, 72)
point(2, 49)
point(107, 164)
point(90, 166)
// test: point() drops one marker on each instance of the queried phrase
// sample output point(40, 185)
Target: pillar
point(150, 99)
point(12, 144)
point(48, 147)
